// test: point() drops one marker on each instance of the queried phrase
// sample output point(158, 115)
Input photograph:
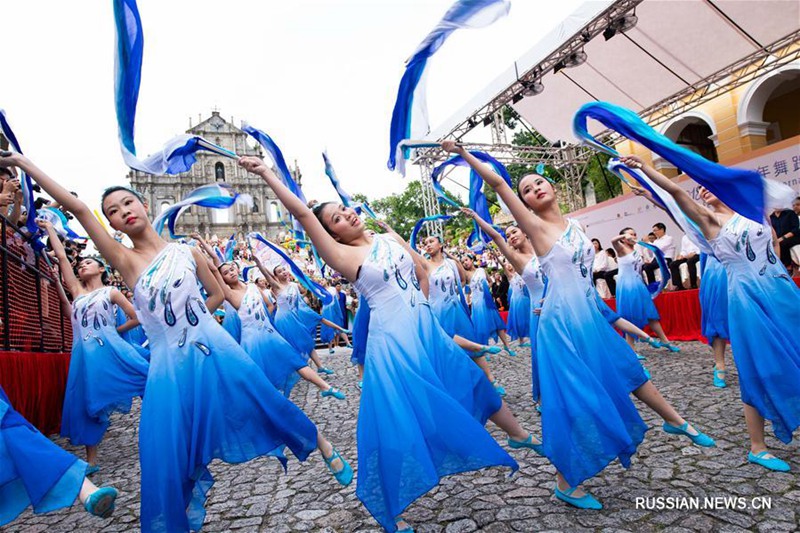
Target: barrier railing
point(30, 308)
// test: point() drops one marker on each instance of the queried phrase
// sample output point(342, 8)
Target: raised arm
point(514, 257)
point(109, 248)
point(622, 245)
point(332, 252)
point(272, 280)
point(116, 297)
point(67, 274)
point(214, 291)
point(66, 306)
point(528, 222)
point(703, 217)
point(207, 249)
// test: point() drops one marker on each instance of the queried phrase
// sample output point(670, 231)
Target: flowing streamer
point(317, 290)
point(664, 199)
point(26, 185)
point(421, 222)
point(284, 174)
point(178, 154)
point(365, 209)
point(345, 197)
point(58, 221)
point(230, 247)
point(744, 191)
point(215, 195)
point(477, 240)
point(410, 114)
point(662, 267)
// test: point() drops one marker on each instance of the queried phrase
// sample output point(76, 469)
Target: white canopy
point(675, 44)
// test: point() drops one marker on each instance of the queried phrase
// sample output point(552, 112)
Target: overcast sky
point(313, 74)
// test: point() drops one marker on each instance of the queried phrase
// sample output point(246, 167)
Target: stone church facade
point(264, 216)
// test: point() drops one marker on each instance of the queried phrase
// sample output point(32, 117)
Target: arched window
point(769, 105)
point(273, 214)
point(221, 216)
point(164, 205)
point(219, 172)
point(695, 132)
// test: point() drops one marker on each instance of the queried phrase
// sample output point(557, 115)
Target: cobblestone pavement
point(257, 496)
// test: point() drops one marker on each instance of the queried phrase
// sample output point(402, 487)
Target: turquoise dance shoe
point(646, 372)
point(511, 352)
point(719, 381)
point(655, 343)
point(587, 501)
point(336, 393)
point(92, 470)
point(772, 463)
point(345, 474)
point(323, 370)
point(499, 388)
point(640, 357)
point(527, 443)
point(672, 348)
point(101, 502)
point(701, 439)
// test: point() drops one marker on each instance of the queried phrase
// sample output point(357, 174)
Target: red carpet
point(35, 384)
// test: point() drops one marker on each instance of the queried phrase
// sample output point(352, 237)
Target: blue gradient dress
point(485, 318)
point(105, 371)
point(262, 342)
point(519, 309)
point(634, 302)
point(765, 350)
point(423, 404)
point(447, 300)
point(713, 299)
point(360, 332)
point(535, 283)
point(33, 470)
point(295, 320)
point(134, 336)
point(333, 312)
point(586, 370)
point(205, 398)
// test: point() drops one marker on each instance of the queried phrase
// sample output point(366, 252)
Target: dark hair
point(623, 230)
point(611, 252)
point(99, 261)
point(317, 210)
point(597, 242)
point(114, 189)
point(660, 226)
point(651, 234)
point(7, 172)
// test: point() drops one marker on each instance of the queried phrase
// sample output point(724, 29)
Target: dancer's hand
point(253, 164)
point(452, 146)
point(385, 227)
point(633, 161)
point(469, 212)
point(44, 224)
point(10, 159)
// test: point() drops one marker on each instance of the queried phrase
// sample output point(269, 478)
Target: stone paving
point(257, 496)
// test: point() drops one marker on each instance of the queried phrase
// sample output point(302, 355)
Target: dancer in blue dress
point(294, 319)
point(245, 303)
point(360, 333)
point(105, 371)
point(332, 312)
point(519, 306)
point(424, 404)
point(34, 472)
point(767, 355)
point(446, 291)
point(634, 302)
point(485, 318)
point(586, 370)
point(205, 398)
point(714, 308)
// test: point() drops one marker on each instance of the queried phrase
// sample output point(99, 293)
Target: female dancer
point(35, 472)
point(423, 405)
point(332, 312)
point(205, 397)
point(633, 299)
point(519, 306)
point(105, 371)
point(767, 356)
point(360, 332)
point(587, 371)
point(277, 358)
point(294, 319)
point(485, 318)
point(714, 311)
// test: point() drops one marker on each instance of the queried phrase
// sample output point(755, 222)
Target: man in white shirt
point(664, 243)
point(690, 254)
